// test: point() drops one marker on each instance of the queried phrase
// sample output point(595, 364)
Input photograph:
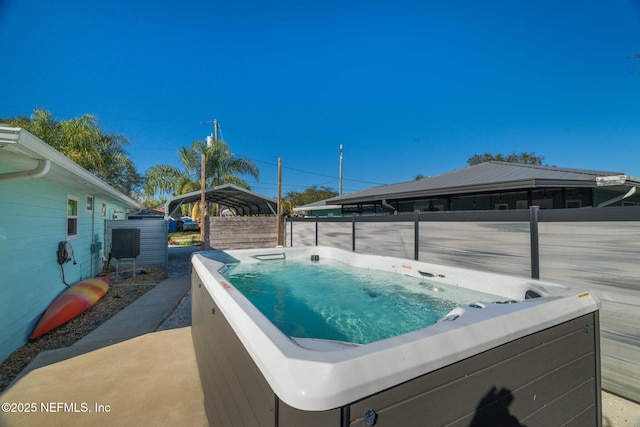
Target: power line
point(314, 173)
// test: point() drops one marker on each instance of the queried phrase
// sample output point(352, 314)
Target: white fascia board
point(35, 148)
point(604, 181)
point(316, 208)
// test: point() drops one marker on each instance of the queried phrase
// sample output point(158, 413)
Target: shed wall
point(153, 239)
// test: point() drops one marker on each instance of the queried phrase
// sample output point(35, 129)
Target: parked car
point(188, 224)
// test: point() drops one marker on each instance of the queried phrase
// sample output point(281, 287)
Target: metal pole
point(340, 170)
point(202, 201)
point(353, 232)
point(533, 230)
point(279, 212)
point(316, 230)
point(416, 235)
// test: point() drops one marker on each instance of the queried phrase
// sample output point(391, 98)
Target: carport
point(253, 225)
point(243, 202)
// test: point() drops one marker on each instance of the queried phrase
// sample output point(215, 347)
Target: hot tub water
point(334, 301)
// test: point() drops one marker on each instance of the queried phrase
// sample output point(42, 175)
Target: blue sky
point(407, 87)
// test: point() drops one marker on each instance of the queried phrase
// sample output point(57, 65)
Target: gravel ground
point(180, 265)
point(180, 317)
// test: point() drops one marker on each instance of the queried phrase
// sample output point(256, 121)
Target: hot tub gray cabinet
point(534, 362)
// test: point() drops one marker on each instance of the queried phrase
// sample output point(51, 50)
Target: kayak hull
point(72, 302)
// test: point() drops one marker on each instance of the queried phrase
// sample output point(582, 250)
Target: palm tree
point(82, 140)
point(221, 167)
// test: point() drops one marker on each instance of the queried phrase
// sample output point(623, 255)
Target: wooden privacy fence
point(597, 249)
point(240, 232)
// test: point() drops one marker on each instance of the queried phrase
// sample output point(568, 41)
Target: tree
point(309, 195)
point(522, 158)
point(82, 140)
point(221, 167)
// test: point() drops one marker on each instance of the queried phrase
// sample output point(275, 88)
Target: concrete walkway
point(141, 317)
point(151, 380)
point(126, 374)
point(123, 373)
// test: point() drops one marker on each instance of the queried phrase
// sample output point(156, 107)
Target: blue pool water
point(334, 301)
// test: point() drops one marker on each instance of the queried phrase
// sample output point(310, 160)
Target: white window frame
point(89, 203)
point(72, 217)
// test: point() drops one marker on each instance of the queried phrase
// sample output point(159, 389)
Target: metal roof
point(484, 177)
point(243, 201)
point(319, 206)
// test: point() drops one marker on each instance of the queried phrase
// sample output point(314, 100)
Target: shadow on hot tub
point(493, 410)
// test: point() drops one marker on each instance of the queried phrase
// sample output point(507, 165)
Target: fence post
point(316, 230)
point(416, 235)
point(353, 232)
point(290, 231)
point(533, 230)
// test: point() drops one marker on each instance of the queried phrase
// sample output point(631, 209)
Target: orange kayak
point(72, 302)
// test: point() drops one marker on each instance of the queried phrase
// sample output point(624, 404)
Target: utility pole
point(203, 220)
point(341, 156)
point(216, 130)
point(210, 140)
point(279, 208)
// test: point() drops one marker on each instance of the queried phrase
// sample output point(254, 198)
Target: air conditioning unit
point(125, 243)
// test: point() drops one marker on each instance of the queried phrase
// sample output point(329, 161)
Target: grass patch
point(184, 238)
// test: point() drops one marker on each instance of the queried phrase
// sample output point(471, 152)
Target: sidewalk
point(141, 317)
point(122, 373)
point(151, 380)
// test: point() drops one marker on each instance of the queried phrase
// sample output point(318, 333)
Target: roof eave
point(32, 147)
point(467, 189)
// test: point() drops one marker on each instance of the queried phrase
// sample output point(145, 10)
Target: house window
point(72, 217)
point(572, 204)
point(103, 211)
point(89, 203)
point(502, 206)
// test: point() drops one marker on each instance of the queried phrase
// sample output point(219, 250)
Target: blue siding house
point(45, 199)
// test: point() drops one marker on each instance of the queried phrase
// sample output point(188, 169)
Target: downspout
point(605, 181)
point(629, 193)
point(41, 170)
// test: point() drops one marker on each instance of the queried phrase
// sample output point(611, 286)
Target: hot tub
point(530, 355)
